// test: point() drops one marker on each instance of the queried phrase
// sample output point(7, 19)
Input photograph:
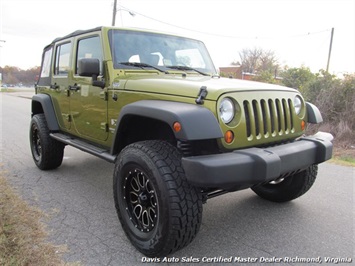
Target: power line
point(223, 35)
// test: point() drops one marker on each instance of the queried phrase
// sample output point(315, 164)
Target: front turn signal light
point(229, 137)
point(177, 127)
point(303, 125)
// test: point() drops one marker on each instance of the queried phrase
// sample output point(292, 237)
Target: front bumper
point(247, 167)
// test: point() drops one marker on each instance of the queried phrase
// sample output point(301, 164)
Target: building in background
point(236, 72)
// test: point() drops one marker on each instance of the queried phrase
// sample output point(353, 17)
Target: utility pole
point(0, 64)
point(121, 8)
point(330, 48)
point(114, 13)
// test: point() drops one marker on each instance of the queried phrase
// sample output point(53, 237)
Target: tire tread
point(52, 150)
point(185, 201)
point(291, 188)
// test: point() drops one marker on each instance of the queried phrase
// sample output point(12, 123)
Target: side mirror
point(90, 67)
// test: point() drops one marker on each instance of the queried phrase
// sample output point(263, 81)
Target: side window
point(44, 78)
point(62, 57)
point(89, 48)
point(46, 63)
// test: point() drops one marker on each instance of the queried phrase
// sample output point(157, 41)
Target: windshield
point(158, 50)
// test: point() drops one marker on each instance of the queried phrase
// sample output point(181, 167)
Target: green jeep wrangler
point(178, 134)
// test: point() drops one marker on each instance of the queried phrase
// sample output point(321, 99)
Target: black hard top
point(76, 33)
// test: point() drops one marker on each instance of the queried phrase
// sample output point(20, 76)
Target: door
point(58, 88)
point(88, 104)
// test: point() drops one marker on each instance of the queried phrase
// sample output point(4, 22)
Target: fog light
point(229, 137)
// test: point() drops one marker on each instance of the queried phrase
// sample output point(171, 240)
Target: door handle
point(74, 87)
point(54, 86)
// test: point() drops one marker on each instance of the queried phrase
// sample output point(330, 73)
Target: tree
point(348, 87)
point(257, 60)
point(333, 96)
point(266, 76)
point(319, 89)
point(298, 78)
point(249, 59)
point(15, 76)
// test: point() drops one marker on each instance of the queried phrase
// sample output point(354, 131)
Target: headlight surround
point(297, 104)
point(226, 110)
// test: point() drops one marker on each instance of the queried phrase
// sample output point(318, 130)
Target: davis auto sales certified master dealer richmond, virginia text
point(237, 259)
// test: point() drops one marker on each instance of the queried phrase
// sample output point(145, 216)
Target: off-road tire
point(47, 153)
point(159, 210)
point(290, 188)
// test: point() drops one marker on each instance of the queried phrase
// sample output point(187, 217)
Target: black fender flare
point(313, 114)
point(197, 122)
point(46, 103)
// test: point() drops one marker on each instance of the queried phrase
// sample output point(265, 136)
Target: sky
point(298, 31)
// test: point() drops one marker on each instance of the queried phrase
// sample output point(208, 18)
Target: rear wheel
point(159, 210)
point(47, 153)
point(289, 188)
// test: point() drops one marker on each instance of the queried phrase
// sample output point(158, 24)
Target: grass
point(22, 235)
point(344, 160)
point(343, 155)
point(16, 89)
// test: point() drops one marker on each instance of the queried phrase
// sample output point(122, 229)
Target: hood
point(189, 86)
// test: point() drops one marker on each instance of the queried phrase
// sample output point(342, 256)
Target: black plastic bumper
point(244, 168)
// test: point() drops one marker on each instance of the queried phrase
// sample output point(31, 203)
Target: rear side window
point(62, 62)
point(46, 63)
point(89, 48)
point(45, 76)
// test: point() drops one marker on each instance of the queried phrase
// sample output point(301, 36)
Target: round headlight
point(297, 103)
point(226, 110)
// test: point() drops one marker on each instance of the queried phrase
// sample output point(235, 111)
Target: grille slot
point(269, 118)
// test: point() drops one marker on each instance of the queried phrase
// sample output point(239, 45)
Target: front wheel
point(288, 188)
point(159, 210)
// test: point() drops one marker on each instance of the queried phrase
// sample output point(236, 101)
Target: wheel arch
point(42, 103)
point(134, 128)
point(156, 118)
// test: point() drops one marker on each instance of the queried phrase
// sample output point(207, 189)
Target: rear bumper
point(247, 167)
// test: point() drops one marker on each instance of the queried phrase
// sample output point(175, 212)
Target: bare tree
point(257, 60)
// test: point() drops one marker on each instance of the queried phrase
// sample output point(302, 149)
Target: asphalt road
point(78, 199)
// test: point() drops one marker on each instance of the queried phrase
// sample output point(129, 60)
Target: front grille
point(268, 118)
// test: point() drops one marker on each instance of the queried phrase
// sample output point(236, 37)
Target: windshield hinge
point(104, 95)
point(201, 95)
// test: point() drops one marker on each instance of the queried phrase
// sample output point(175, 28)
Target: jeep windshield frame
point(159, 51)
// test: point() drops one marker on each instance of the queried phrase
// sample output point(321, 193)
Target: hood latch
point(201, 95)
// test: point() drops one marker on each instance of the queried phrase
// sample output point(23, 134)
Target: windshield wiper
point(143, 65)
point(189, 68)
